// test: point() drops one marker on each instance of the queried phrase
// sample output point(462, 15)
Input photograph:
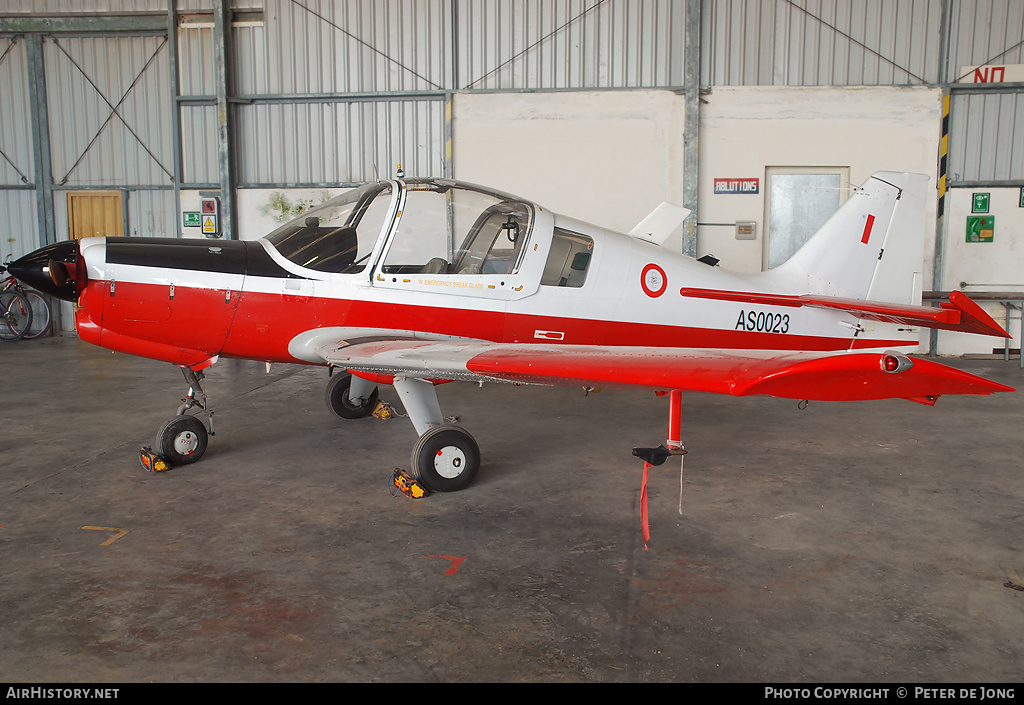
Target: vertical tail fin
point(872, 248)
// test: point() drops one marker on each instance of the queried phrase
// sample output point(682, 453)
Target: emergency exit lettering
point(737, 185)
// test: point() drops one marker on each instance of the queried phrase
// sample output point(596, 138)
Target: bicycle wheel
point(40, 314)
point(17, 316)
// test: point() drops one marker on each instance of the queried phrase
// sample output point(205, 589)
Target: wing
point(960, 313)
point(812, 376)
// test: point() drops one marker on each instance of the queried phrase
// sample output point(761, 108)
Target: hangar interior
point(118, 117)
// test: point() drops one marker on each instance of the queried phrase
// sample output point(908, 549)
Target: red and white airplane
point(415, 282)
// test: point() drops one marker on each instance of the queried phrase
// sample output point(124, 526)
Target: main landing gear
point(183, 439)
point(445, 458)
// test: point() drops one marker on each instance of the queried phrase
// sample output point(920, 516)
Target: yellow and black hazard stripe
point(943, 155)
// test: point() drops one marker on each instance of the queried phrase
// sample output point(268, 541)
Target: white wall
point(989, 266)
point(605, 157)
point(743, 130)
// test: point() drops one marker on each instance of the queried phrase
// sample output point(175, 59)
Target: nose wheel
point(182, 440)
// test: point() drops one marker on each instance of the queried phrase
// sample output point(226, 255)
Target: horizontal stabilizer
point(960, 313)
point(660, 224)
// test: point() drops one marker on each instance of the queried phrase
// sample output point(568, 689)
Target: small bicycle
point(26, 313)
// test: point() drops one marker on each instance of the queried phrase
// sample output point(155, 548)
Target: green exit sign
point(190, 219)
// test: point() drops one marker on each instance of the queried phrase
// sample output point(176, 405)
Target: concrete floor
point(847, 542)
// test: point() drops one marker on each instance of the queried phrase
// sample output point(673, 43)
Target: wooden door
point(95, 214)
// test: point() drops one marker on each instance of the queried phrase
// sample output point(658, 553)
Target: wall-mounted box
point(746, 230)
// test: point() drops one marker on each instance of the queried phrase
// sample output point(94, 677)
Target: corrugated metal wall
point(391, 46)
point(340, 142)
point(117, 89)
point(17, 168)
point(986, 141)
point(552, 44)
point(821, 42)
point(984, 32)
point(854, 42)
point(387, 46)
point(55, 8)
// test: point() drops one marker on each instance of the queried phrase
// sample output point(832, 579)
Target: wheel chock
point(403, 482)
point(152, 461)
point(383, 411)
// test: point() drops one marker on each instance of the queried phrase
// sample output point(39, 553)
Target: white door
point(798, 201)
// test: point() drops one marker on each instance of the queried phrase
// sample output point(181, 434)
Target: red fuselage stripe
point(204, 322)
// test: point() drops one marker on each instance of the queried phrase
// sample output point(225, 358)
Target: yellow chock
point(382, 411)
point(152, 461)
point(408, 485)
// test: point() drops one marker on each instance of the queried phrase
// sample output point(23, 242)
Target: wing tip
point(860, 377)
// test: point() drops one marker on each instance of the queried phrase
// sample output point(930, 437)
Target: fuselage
point(539, 278)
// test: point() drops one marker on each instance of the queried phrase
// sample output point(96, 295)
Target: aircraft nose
point(56, 270)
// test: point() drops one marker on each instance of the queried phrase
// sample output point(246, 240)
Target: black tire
point(40, 315)
point(182, 440)
point(15, 316)
point(338, 401)
point(446, 459)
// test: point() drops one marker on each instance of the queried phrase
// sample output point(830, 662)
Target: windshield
point(338, 236)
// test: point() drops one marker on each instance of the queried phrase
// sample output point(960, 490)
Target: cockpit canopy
point(442, 227)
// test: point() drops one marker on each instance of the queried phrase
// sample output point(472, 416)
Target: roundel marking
point(653, 280)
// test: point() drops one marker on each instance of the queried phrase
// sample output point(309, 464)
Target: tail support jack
point(657, 456)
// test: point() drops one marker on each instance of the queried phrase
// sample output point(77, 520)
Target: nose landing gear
point(183, 439)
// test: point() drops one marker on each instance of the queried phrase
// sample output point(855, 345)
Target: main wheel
point(182, 440)
point(15, 316)
point(338, 401)
point(446, 459)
